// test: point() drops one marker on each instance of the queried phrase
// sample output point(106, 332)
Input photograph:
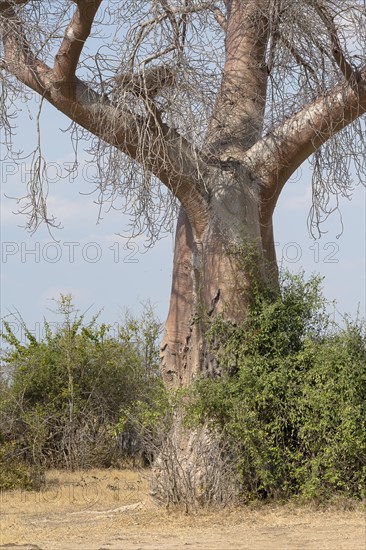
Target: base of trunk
point(193, 469)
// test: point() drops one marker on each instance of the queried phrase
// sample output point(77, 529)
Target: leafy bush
point(292, 399)
point(290, 406)
point(64, 393)
point(13, 473)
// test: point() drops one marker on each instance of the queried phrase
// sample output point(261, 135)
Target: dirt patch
point(111, 510)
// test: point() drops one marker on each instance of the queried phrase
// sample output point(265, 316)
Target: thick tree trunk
point(224, 244)
point(214, 273)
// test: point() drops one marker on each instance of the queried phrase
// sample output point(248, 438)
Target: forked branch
point(76, 34)
point(161, 149)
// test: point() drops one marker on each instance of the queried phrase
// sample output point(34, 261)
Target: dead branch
point(345, 67)
point(297, 56)
point(148, 83)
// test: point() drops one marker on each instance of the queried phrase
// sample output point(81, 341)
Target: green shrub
point(65, 391)
point(292, 399)
point(14, 474)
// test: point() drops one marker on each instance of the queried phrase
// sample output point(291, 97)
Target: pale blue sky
point(93, 264)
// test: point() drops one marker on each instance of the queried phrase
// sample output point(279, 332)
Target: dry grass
point(81, 490)
point(102, 509)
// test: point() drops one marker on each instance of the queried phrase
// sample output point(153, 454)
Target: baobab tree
point(206, 105)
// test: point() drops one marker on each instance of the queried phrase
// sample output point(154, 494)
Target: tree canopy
point(166, 90)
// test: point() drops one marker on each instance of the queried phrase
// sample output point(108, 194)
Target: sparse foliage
point(156, 70)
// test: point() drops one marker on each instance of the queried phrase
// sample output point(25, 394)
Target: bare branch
point(170, 15)
point(146, 139)
point(296, 55)
point(19, 59)
point(167, 83)
point(280, 153)
point(346, 68)
point(220, 18)
point(71, 47)
point(12, 3)
point(238, 116)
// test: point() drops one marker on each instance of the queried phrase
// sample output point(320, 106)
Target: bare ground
point(111, 510)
